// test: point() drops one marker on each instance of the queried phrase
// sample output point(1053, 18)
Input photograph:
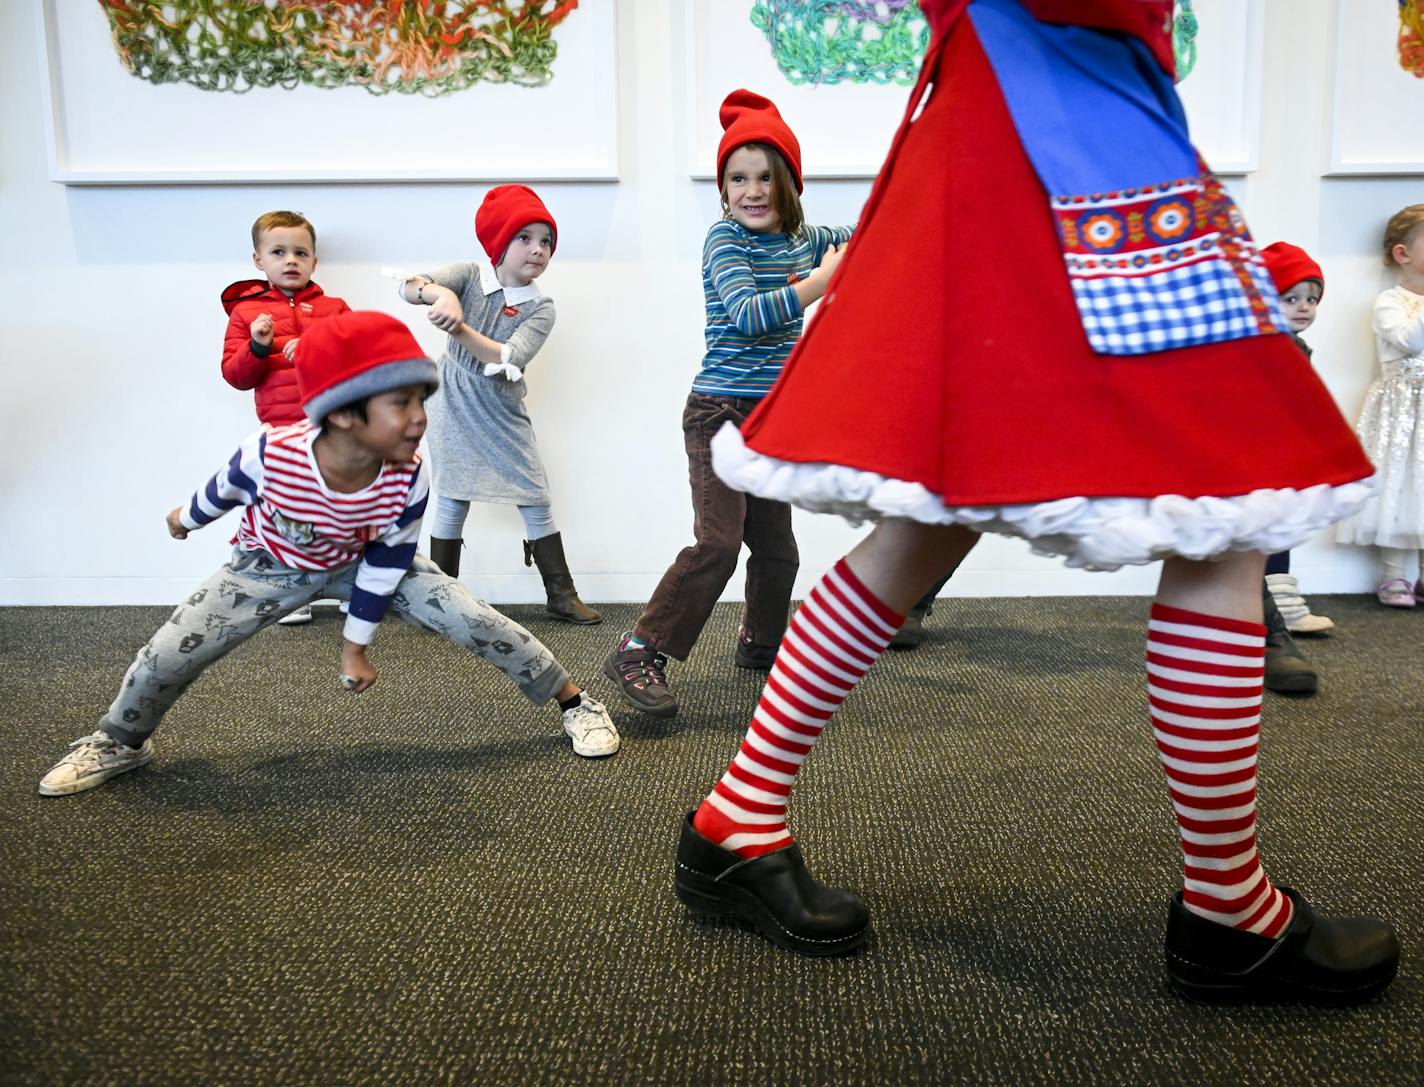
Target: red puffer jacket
point(272, 374)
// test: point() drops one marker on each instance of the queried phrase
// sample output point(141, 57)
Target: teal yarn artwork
point(844, 41)
point(1184, 38)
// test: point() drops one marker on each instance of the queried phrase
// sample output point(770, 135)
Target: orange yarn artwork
point(428, 47)
point(1411, 36)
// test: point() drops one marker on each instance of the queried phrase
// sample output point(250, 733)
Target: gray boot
point(1287, 670)
point(547, 552)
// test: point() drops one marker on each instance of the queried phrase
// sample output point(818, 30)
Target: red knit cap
point(503, 212)
point(1289, 265)
point(351, 356)
point(750, 118)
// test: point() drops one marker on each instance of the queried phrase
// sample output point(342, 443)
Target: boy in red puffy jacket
point(267, 317)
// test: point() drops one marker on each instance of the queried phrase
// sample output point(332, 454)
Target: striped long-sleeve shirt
point(292, 514)
point(753, 314)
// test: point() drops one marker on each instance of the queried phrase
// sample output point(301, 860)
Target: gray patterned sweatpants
point(253, 590)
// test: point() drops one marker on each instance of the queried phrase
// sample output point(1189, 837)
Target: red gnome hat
point(505, 210)
point(354, 355)
point(1289, 265)
point(750, 118)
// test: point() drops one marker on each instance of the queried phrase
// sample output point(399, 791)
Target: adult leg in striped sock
point(1205, 676)
point(1231, 934)
point(834, 638)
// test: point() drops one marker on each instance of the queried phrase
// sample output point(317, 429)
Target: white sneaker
point(590, 728)
point(92, 761)
point(296, 618)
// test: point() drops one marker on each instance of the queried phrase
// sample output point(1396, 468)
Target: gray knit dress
point(482, 445)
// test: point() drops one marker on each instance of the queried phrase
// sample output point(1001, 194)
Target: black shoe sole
point(651, 709)
point(1280, 993)
point(713, 899)
point(749, 664)
point(570, 619)
point(1297, 685)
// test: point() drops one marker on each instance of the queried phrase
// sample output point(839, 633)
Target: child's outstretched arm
point(236, 484)
point(386, 560)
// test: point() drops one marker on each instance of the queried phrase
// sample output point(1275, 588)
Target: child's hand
point(261, 329)
point(830, 262)
point(356, 671)
point(445, 313)
point(290, 349)
point(176, 528)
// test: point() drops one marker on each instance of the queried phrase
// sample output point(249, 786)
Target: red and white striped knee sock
point(1204, 682)
point(834, 638)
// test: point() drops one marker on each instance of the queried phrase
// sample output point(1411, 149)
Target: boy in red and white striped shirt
point(332, 507)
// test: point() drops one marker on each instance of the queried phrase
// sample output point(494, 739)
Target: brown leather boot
point(446, 555)
point(547, 552)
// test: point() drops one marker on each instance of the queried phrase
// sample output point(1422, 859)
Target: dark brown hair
point(274, 219)
point(1400, 226)
point(784, 197)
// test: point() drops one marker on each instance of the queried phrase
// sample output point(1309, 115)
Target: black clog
point(774, 892)
point(1319, 960)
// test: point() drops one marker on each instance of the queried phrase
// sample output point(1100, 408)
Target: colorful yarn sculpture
point(1184, 38)
point(429, 47)
point(833, 41)
point(1411, 37)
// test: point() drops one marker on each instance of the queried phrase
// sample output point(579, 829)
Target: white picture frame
point(845, 129)
point(1376, 105)
point(105, 126)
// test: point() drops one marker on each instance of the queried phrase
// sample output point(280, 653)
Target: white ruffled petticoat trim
point(1087, 533)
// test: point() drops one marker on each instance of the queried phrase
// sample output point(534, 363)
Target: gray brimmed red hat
point(351, 356)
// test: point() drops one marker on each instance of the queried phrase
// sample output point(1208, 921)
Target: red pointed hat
point(354, 355)
point(750, 118)
point(1289, 265)
point(505, 210)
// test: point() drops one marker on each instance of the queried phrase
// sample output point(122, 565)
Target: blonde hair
point(784, 197)
point(1397, 231)
point(274, 219)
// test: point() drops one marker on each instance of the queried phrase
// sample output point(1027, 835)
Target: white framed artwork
point(1377, 108)
point(845, 128)
point(107, 126)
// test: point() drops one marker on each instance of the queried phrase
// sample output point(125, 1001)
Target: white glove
point(507, 369)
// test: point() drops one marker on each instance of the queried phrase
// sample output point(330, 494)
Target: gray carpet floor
point(423, 884)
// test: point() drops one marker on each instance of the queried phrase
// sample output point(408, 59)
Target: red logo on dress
point(511, 311)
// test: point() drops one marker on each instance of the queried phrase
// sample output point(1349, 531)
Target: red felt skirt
point(947, 378)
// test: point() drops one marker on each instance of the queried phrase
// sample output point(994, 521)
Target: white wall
point(114, 408)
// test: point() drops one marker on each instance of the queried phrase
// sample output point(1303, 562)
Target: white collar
point(514, 296)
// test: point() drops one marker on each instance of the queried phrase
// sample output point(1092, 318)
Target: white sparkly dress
point(1390, 428)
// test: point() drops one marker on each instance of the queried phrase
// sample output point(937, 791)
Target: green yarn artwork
point(427, 47)
point(1184, 38)
point(835, 41)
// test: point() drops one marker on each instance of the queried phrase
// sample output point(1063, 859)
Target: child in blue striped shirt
point(761, 267)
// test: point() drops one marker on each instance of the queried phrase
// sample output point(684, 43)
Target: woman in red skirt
point(1079, 356)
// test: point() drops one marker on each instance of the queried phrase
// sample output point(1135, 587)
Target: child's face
point(747, 189)
point(1300, 302)
point(394, 425)
point(528, 254)
point(286, 255)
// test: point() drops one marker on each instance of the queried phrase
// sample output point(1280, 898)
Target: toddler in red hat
point(1301, 284)
point(331, 506)
point(481, 437)
point(761, 267)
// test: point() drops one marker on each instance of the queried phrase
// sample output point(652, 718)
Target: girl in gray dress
point(481, 440)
